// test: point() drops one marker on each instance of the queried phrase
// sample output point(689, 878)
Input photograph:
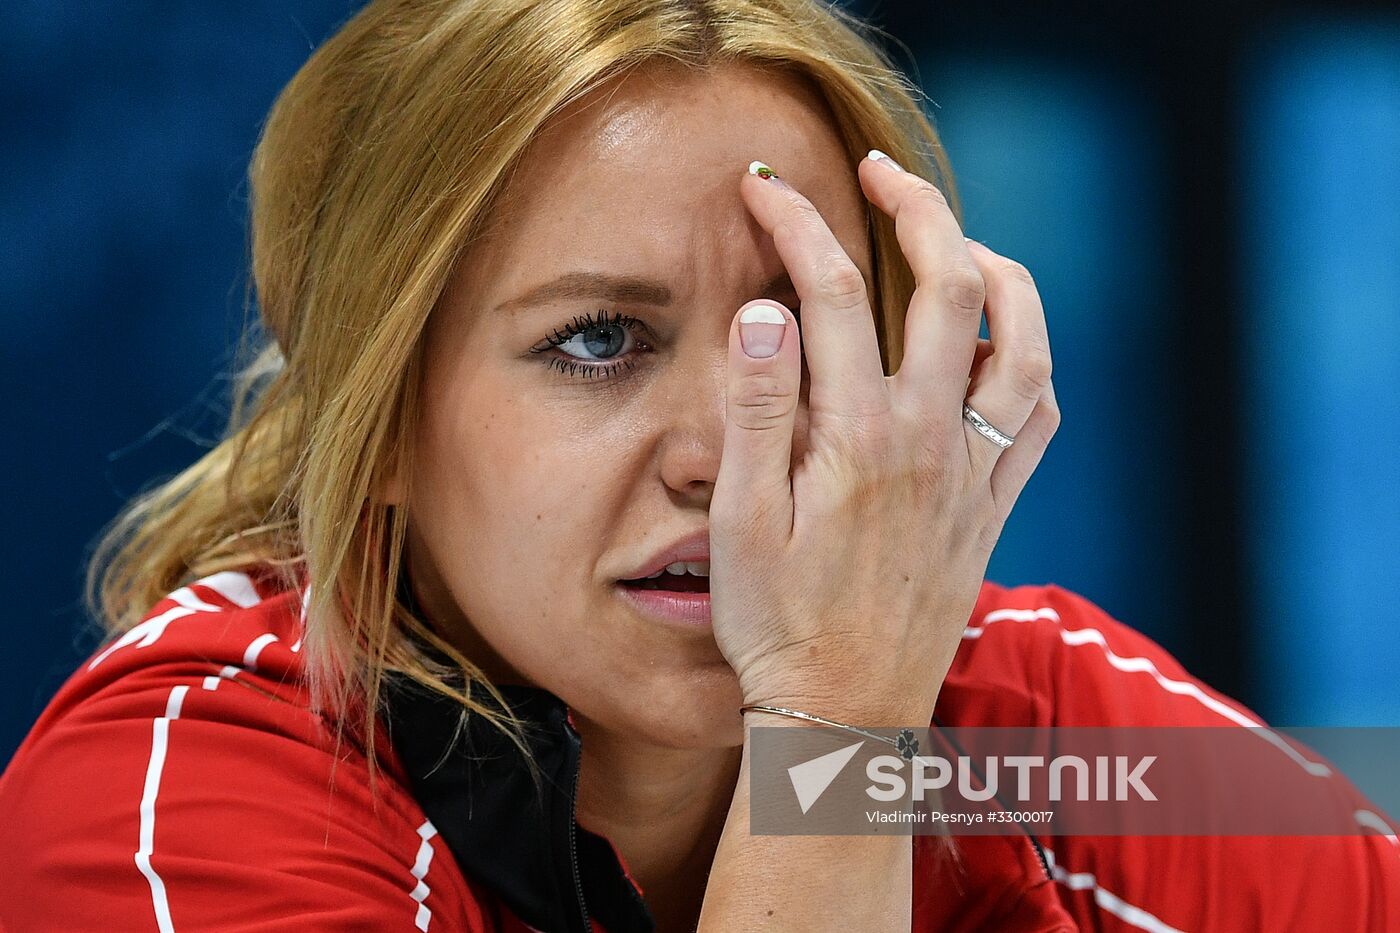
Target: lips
point(678, 583)
point(691, 547)
point(688, 610)
point(682, 598)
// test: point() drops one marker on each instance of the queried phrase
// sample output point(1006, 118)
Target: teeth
point(696, 568)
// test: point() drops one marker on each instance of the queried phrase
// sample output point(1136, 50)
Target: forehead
point(644, 172)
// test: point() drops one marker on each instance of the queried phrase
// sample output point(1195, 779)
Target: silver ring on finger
point(985, 428)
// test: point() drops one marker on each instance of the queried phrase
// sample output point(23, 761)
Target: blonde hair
point(378, 163)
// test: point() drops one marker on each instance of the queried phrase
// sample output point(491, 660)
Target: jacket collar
point(519, 839)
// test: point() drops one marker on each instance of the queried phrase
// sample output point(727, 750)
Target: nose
point(691, 420)
point(692, 423)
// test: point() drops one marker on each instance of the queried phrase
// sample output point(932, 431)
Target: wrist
point(862, 712)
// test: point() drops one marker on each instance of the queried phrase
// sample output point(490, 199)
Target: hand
point(842, 585)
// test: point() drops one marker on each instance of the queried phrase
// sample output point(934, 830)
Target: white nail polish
point(762, 314)
point(875, 155)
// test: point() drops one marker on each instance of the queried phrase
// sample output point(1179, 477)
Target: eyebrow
point(629, 289)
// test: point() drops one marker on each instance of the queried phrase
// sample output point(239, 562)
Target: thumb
point(765, 379)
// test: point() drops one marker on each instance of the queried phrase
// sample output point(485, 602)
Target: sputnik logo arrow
point(811, 778)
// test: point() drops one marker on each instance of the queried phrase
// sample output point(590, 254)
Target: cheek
point(512, 494)
point(486, 478)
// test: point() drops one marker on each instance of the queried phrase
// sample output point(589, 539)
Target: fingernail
point(761, 329)
point(875, 155)
point(767, 174)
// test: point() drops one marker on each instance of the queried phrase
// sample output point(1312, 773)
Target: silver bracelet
point(905, 743)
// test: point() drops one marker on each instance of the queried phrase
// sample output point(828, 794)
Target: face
point(545, 472)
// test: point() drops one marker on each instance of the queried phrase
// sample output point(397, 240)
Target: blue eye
point(600, 338)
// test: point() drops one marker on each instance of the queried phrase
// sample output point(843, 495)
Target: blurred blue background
point(1212, 213)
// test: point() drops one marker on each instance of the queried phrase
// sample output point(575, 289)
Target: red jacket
point(178, 781)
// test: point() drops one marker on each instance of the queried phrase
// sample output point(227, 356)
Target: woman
point(533, 291)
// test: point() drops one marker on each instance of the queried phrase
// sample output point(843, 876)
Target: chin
point(699, 711)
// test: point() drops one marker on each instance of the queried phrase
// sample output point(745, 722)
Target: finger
point(760, 413)
point(945, 311)
point(979, 358)
point(984, 350)
point(838, 326)
point(1011, 382)
point(1016, 464)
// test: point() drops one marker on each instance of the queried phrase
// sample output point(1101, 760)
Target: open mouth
point(678, 583)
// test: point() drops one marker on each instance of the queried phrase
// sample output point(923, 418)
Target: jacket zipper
point(573, 852)
point(1039, 851)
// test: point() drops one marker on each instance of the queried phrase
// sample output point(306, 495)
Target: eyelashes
point(600, 331)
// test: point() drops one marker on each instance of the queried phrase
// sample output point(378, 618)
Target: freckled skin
point(642, 179)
